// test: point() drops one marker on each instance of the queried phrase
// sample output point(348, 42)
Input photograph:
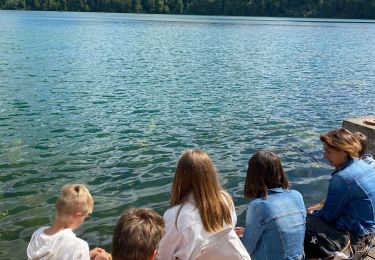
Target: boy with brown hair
point(58, 241)
point(137, 235)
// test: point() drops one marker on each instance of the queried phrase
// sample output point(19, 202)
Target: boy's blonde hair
point(74, 198)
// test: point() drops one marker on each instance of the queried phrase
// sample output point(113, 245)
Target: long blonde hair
point(196, 173)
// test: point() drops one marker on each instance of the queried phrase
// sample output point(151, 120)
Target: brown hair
point(362, 138)
point(196, 173)
point(137, 234)
point(74, 198)
point(264, 172)
point(342, 140)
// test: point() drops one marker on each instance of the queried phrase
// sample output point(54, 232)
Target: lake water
point(111, 100)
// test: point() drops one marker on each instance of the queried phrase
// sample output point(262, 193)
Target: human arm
point(313, 208)
point(337, 196)
point(253, 229)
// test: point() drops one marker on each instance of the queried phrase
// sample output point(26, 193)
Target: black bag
point(323, 239)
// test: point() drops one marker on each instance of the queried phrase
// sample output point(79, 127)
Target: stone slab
point(358, 124)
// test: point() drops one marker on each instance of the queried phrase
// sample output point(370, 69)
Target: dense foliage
point(364, 9)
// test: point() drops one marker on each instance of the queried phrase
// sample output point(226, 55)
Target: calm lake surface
point(111, 101)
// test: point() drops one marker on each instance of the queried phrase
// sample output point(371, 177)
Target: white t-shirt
point(191, 241)
point(63, 245)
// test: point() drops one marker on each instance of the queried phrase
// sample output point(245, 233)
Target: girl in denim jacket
point(275, 219)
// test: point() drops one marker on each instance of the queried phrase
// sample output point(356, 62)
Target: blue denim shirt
point(275, 226)
point(351, 198)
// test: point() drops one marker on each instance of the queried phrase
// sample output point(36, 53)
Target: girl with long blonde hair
point(200, 223)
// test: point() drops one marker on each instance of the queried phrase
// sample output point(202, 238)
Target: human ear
point(78, 214)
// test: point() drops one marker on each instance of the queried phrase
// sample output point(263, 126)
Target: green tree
point(179, 7)
point(37, 4)
point(159, 4)
point(149, 6)
point(136, 6)
point(127, 6)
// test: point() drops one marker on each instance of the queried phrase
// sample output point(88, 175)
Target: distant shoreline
point(328, 9)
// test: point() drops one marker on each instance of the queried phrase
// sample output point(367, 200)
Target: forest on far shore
point(353, 9)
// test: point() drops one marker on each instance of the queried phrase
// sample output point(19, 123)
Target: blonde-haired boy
point(58, 241)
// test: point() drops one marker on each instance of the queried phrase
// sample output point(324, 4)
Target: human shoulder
point(187, 214)
point(76, 248)
point(72, 241)
point(296, 193)
point(353, 171)
point(39, 231)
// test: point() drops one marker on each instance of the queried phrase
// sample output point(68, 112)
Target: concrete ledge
point(358, 124)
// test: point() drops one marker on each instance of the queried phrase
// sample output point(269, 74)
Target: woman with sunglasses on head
point(350, 201)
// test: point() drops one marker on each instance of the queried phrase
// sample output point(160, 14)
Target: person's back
point(187, 238)
point(277, 223)
point(223, 245)
point(200, 211)
point(62, 245)
point(275, 218)
point(58, 241)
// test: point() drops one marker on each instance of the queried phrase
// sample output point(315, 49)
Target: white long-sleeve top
point(191, 241)
point(64, 245)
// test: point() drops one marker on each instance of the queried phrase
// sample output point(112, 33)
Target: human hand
point(239, 231)
point(318, 206)
point(310, 210)
point(99, 254)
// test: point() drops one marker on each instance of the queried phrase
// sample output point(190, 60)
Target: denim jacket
point(275, 226)
point(350, 199)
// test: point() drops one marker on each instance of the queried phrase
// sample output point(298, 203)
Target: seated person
point(350, 200)
point(58, 241)
point(137, 235)
point(200, 223)
point(275, 219)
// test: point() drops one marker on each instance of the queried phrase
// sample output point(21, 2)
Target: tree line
point(355, 9)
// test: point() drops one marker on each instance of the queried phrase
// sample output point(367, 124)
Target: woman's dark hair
point(264, 172)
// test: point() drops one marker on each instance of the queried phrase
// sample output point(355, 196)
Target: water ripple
point(111, 100)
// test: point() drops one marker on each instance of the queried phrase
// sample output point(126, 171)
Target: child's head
point(364, 143)
point(197, 174)
point(264, 172)
point(75, 202)
point(137, 235)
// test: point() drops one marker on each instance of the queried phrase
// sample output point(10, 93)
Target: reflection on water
point(111, 100)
